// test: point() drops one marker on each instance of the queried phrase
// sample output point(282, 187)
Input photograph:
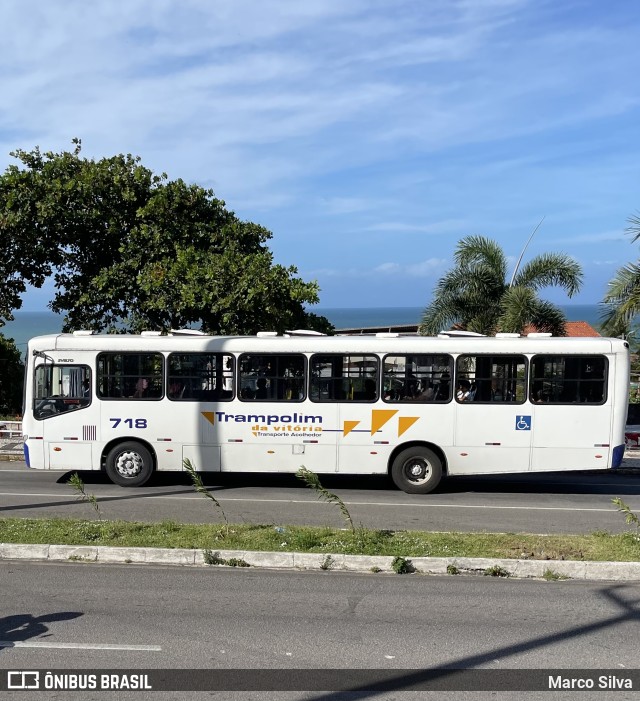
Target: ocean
point(29, 324)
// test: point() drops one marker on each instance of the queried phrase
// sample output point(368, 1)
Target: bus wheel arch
point(129, 462)
point(418, 467)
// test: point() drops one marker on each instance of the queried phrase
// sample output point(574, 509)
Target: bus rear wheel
point(129, 464)
point(416, 470)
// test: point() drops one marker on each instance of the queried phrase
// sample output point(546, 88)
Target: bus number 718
point(131, 423)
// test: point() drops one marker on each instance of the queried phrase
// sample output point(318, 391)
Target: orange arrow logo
point(379, 418)
point(209, 416)
point(348, 427)
point(405, 423)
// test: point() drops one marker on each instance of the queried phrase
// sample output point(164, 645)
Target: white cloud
point(438, 227)
point(421, 269)
point(388, 268)
point(593, 238)
point(427, 268)
point(348, 205)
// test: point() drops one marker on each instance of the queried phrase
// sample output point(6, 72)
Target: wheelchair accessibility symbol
point(523, 423)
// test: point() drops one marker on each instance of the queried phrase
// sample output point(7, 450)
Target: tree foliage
point(476, 295)
point(132, 250)
point(621, 303)
point(11, 377)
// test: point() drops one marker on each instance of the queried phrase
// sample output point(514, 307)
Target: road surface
point(71, 616)
point(547, 503)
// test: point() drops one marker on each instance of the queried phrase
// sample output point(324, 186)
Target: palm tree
point(476, 295)
point(622, 301)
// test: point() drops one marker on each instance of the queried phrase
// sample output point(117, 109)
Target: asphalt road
point(88, 616)
point(547, 503)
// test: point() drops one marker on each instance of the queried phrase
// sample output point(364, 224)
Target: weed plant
point(76, 483)
point(313, 482)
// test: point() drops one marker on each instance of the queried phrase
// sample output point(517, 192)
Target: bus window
point(60, 388)
point(421, 378)
point(130, 375)
point(200, 377)
point(344, 378)
point(491, 378)
point(272, 377)
point(566, 379)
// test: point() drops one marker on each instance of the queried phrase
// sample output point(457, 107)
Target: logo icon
point(23, 680)
point(523, 423)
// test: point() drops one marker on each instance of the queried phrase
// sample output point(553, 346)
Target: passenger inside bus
point(541, 397)
point(369, 389)
point(427, 394)
point(141, 388)
point(464, 390)
point(261, 388)
point(442, 392)
point(176, 390)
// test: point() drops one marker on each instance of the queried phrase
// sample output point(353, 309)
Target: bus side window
point(417, 378)
point(569, 379)
point(130, 375)
point(200, 377)
point(493, 378)
point(272, 377)
point(336, 377)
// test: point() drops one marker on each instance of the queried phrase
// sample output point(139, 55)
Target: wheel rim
point(417, 470)
point(129, 464)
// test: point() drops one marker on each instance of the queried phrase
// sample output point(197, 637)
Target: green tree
point(132, 250)
point(477, 295)
point(11, 377)
point(621, 303)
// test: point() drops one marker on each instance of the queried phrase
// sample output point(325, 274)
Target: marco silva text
point(603, 681)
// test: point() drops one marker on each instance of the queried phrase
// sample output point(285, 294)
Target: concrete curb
point(548, 569)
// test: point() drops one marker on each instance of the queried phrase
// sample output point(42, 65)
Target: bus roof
point(358, 344)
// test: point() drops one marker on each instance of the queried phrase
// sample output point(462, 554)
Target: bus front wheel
point(416, 470)
point(129, 464)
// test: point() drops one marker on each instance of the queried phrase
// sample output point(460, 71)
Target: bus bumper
point(618, 454)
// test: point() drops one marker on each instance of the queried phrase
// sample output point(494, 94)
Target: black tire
point(129, 464)
point(416, 470)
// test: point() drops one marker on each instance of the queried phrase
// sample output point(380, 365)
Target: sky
point(369, 136)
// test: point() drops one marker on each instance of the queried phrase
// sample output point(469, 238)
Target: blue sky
point(368, 136)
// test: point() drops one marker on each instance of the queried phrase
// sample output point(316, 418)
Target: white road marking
point(429, 504)
point(79, 646)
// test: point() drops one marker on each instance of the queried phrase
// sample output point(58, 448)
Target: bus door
point(274, 426)
point(494, 421)
point(365, 433)
point(572, 412)
point(200, 395)
point(62, 395)
point(199, 434)
point(366, 438)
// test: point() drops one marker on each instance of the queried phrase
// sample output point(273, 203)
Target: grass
point(599, 546)
point(553, 576)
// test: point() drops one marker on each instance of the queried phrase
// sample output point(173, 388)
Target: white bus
point(416, 408)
